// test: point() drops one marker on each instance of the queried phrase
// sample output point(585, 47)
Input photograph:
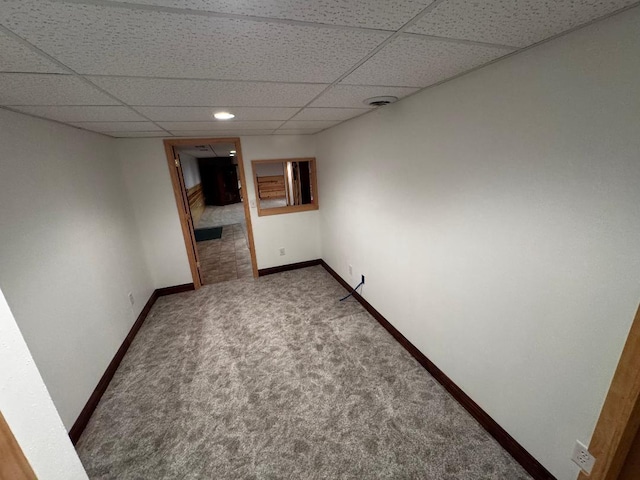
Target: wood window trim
point(314, 205)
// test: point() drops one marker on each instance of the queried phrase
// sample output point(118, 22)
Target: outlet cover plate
point(582, 457)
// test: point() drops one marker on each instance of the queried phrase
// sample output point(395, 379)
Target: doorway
point(210, 190)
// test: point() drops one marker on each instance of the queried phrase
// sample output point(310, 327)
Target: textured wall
point(496, 220)
point(147, 176)
point(69, 251)
point(190, 170)
point(28, 409)
point(297, 232)
point(146, 172)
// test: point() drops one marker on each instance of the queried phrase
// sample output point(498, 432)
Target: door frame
point(184, 212)
point(14, 464)
point(620, 416)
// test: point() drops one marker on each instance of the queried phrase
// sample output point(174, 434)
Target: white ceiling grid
point(106, 127)
point(153, 68)
point(416, 61)
point(49, 89)
point(512, 22)
point(212, 93)
point(216, 125)
point(77, 113)
point(17, 57)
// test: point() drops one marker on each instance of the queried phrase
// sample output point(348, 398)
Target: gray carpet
point(274, 379)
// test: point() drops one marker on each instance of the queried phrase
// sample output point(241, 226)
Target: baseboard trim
point(83, 419)
point(185, 287)
point(285, 268)
point(517, 451)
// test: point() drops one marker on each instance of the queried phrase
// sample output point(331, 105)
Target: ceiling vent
point(380, 101)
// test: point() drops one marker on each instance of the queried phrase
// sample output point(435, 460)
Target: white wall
point(298, 233)
point(190, 170)
point(270, 169)
point(70, 252)
point(149, 185)
point(497, 220)
point(28, 409)
point(146, 173)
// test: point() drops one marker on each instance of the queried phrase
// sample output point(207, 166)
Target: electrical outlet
point(282, 251)
point(252, 203)
point(131, 299)
point(582, 457)
point(350, 270)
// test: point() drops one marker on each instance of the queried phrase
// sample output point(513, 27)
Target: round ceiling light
point(223, 115)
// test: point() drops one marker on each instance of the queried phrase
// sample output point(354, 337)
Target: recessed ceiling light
point(223, 115)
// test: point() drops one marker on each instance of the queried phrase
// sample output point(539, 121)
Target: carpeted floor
point(275, 379)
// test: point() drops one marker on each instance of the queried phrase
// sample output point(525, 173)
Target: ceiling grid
point(158, 68)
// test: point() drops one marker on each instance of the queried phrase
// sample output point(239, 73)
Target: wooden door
point(13, 463)
point(219, 181)
point(186, 212)
point(221, 189)
point(631, 466)
point(232, 194)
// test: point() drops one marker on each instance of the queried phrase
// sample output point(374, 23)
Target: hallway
point(226, 258)
point(215, 216)
point(229, 257)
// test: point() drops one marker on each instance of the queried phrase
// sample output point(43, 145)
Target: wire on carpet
point(354, 290)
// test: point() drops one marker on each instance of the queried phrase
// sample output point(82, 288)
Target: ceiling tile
point(330, 113)
point(104, 127)
point(304, 124)
point(105, 40)
point(45, 89)
point(354, 95)
point(209, 133)
point(17, 57)
point(370, 13)
point(83, 113)
point(169, 92)
point(227, 126)
point(417, 61)
point(512, 22)
point(137, 134)
point(191, 114)
point(298, 131)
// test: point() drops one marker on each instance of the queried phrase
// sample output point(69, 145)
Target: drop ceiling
point(160, 68)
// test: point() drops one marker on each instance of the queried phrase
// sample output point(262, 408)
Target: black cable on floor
point(353, 291)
